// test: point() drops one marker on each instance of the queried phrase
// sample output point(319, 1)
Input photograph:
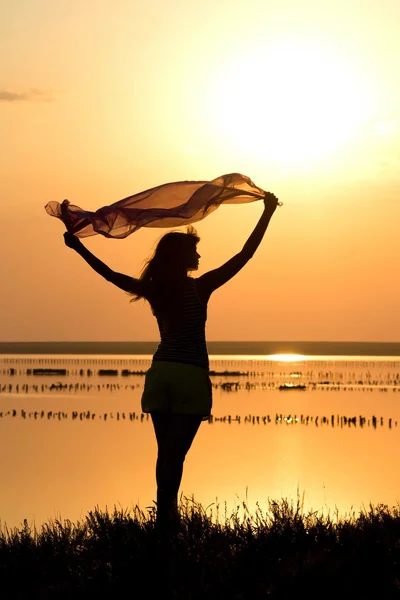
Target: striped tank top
point(186, 343)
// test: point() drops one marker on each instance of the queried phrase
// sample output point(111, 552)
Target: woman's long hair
point(164, 274)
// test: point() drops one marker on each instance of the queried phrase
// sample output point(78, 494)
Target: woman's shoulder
point(200, 290)
point(147, 290)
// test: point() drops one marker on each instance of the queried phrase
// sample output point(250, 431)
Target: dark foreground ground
point(283, 553)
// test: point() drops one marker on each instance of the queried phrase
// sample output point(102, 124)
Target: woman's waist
point(200, 365)
point(193, 353)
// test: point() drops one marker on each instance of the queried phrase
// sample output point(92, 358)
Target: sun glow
point(287, 357)
point(290, 101)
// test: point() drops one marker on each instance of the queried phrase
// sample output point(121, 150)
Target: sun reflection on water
point(288, 357)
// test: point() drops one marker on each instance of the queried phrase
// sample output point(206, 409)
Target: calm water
point(77, 440)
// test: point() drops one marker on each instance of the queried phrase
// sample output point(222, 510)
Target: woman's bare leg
point(175, 434)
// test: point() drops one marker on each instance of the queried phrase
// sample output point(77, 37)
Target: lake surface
point(326, 428)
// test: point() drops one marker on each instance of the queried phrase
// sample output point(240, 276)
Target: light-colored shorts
point(174, 387)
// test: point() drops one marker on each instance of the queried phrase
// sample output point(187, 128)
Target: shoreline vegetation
point(280, 553)
point(255, 348)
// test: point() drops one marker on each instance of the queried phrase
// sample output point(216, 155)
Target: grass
point(274, 554)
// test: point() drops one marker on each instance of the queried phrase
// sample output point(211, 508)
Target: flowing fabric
point(167, 205)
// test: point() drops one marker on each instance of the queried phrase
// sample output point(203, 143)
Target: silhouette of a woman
point(177, 391)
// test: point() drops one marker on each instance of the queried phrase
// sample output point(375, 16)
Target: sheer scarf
point(167, 205)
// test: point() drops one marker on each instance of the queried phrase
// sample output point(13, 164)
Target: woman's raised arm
point(212, 280)
point(124, 282)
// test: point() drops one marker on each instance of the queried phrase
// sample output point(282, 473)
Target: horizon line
point(232, 348)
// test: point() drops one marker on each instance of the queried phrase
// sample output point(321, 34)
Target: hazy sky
point(100, 100)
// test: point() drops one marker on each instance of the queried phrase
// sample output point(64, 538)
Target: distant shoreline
point(214, 348)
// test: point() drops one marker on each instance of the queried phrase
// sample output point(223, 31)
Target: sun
point(291, 101)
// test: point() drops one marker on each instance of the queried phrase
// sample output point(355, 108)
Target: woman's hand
point(270, 202)
point(72, 241)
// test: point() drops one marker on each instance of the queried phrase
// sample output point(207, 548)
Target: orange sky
point(101, 100)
